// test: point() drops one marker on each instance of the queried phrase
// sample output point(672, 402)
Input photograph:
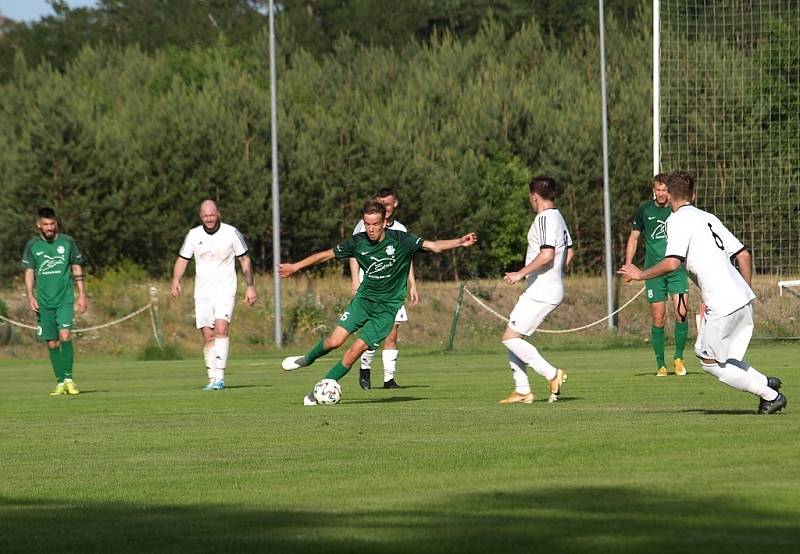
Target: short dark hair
point(47, 213)
point(374, 208)
point(681, 185)
point(544, 186)
point(384, 192)
point(661, 178)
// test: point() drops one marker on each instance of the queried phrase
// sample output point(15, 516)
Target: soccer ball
point(328, 391)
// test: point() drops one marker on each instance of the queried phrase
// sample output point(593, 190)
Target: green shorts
point(52, 320)
point(660, 288)
point(375, 319)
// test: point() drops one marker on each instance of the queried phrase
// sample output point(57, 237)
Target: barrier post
point(155, 317)
point(449, 346)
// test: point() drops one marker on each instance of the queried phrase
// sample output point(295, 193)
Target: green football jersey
point(51, 261)
point(651, 221)
point(386, 263)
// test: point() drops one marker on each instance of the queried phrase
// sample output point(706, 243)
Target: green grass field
point(144, 461)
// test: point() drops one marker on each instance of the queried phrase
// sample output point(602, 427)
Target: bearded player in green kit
point(52, 263)
point(650, 221)
point(385, 256)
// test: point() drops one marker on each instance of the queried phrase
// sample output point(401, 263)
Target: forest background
point(124, 116)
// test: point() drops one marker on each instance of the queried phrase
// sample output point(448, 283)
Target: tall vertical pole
point(276, 206)
point(606, 193)
point(656, 87)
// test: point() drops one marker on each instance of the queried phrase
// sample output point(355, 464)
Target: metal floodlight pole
point(656, 87)
point(276, 211)
point(606, 193)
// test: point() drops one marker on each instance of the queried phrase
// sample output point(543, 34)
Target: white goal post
point(726, 108)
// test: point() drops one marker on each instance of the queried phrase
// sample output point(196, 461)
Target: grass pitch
point(144, 461)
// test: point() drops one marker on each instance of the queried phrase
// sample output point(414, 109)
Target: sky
point(32, 10)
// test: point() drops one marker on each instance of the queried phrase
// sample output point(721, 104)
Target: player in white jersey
point(388, 199)
point(214, 246)
point(700, 240)
point(549, 253)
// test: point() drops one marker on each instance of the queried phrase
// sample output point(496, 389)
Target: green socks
point(61, 359)
point(317, 351)
point(67, 357)
point(681, 332)
point(55, 361)
point(657, 338)
point(337, 372)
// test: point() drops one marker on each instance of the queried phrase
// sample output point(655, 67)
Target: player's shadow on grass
point(582, 519)
point(387, 399)
point(670, 377)
point(263, 386)
point(706, 411)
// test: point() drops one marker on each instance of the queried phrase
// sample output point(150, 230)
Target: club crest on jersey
point(390, 250)
point(60, 249)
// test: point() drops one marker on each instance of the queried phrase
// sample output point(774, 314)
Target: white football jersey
point(699, 239)
point(361, 228)
point(548, 230)
point(214, 257)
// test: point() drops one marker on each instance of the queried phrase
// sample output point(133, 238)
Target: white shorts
point(528, 314)
point(401, 316)
point(726, 338)
point(208, 310)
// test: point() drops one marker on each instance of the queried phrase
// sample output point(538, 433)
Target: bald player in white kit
point(700, 240)
point(214, 246)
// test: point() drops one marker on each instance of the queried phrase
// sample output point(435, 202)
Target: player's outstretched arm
point(285, 270)
point(449, 244)
point(544, 257)
point(661, 268)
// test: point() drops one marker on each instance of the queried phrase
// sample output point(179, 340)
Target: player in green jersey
point(52, 262)
point(650, 221)
point(385, 256)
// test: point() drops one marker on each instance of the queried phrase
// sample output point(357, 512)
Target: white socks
point(221, 358)
point(210, 355)
point(389, 364)
point(521, 383)
point(366, 359)
point(527, 353)
point(742, 377)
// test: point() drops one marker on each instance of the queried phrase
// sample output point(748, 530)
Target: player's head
point(660, 190)
point(542, 189)
point(374, 216)
point(209, 215)
point(681, 187)
point(388, 198)
point(47, 223)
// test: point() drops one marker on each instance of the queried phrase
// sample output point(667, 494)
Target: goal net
point(727, 109)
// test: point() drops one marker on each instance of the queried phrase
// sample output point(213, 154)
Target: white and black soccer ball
point(328, 391)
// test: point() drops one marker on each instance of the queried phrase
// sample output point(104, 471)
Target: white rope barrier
point(87, 329)
point(558, 331)
point(115, 322)
point(17, 323)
